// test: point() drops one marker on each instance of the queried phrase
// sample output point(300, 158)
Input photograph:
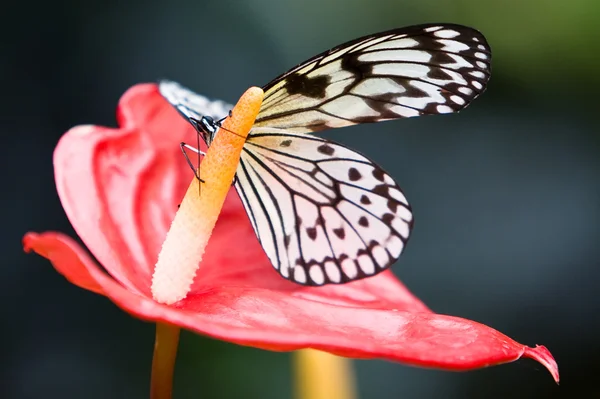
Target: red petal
point(120, 187)
point(69, 262)
point(277, 320)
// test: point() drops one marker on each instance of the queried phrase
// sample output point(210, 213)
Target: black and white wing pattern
point(322, 212)
point(192, 105)
point(418, 70)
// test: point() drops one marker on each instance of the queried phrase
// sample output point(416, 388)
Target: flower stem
point(163, 362)
point(321, 375)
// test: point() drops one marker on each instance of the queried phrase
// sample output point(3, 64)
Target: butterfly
point(324, 213)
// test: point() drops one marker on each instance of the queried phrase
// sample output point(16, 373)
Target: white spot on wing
point(443, 109)
point(401, 226)
point(349, 268)
point(395, 44)
point(404, 214)
point(316, 274)
point(285, 271)
point(381, 256)
point(395, 246)
point(397, 56)
point(397, 195)
point(300, 274)
point(446, 34)
point(333, 272)
point(403, 111)
point(477, 74)
point(366, 264)
point(453, 46)
point(458, 100)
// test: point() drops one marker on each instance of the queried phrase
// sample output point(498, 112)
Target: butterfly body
point(322, 212)
point(207, 127)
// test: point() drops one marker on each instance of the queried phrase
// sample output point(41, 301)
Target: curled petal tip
point(543, 355)
point(27, 241)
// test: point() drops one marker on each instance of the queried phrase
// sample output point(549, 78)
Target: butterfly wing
point(322, 212)
point(417, 70)
point(192, 105)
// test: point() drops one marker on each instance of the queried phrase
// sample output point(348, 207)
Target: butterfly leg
point(185, 146)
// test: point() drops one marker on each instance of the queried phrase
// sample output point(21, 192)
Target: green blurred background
point(506, 194)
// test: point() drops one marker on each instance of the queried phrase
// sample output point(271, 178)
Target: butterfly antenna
point(220, 121)
point(234, 133)
point(223, 118)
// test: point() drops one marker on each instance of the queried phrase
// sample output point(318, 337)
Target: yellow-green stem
point(163, 361)
point(321, 375)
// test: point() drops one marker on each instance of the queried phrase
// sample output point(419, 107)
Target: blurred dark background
point(506, 195)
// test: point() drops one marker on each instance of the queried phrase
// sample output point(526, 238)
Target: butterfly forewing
point(322, 212)
point(420, 70)
point(191, 105)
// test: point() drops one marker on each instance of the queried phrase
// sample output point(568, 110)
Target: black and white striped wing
point(192, 105)
point(417, 70)
point(322, 212)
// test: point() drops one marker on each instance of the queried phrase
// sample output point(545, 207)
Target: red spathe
point(120, 189)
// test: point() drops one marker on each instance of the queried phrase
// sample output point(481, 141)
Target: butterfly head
point(206, 127)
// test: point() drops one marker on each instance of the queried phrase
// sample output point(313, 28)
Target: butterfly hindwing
point(418, 70)
point(322, 212)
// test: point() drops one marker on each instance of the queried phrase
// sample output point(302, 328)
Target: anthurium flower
point(121, 188)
